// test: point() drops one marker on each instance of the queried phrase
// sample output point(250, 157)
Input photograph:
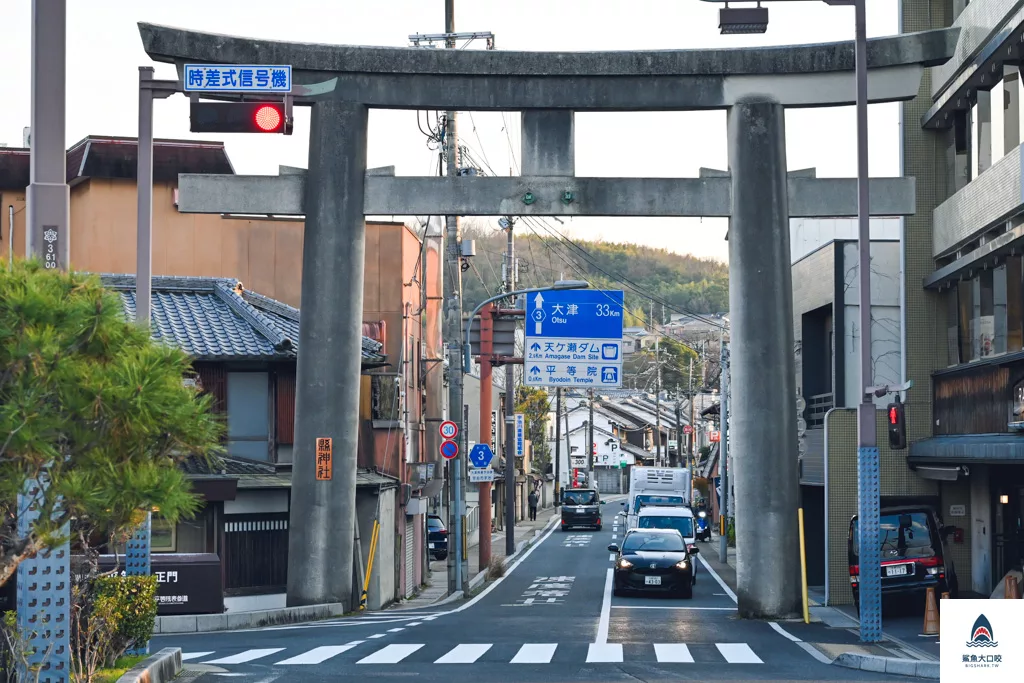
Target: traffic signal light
point(240, 117)
point(897, 426)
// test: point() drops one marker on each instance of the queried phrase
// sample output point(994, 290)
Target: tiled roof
point(214, 319)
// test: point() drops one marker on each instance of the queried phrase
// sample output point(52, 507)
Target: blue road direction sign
point(449, 449)
point(481, 455)
point(237, 78)
point(574, 338)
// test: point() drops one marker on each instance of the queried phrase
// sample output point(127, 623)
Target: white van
point(679, 518)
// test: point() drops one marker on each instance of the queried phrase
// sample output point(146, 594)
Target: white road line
point(606, 609)
point(247, 656)
point(317, 655)
point(392, 654)
point(806, 647)
point(714, 609)
point(395, 630)
point(185, 656)
point(673, 653)
point(464, 654)
point(716, 577)
point(377, 635)
point(604, 652)
point(738, 653)
point(614, 536)
point(611, 557)
point(355, 642)
point(414, 623)
point(535, 653)
point(429, 618)
point(783, 632)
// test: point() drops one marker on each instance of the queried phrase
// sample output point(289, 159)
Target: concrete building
point(961, 310)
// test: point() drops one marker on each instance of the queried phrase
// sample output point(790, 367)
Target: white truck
point(662, 486)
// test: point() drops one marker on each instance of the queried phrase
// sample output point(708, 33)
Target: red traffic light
point(268, 118)
point(894, 415)
point(239, 117)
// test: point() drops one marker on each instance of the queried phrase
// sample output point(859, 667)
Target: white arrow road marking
point(535, 653)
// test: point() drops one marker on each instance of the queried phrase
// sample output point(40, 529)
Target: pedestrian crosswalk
point(363, 652)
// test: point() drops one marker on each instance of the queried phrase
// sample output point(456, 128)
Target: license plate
point(652, 580)
point(896, 570)
point(431, 546)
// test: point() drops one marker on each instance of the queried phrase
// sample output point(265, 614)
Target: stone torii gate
point(758, 196)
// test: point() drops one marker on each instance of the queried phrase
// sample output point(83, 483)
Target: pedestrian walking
point(533, 500)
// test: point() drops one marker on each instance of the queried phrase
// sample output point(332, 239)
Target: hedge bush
point(133, 602)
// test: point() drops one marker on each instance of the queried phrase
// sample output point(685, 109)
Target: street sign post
point(448, 429)
point(481, 455)
point(574, 338)
point(449, 449)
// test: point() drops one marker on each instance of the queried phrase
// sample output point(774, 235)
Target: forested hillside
point(683, 283)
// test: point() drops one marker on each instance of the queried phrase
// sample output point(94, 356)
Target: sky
point(105, 51)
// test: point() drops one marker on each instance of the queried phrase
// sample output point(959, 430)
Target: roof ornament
point(238, 288)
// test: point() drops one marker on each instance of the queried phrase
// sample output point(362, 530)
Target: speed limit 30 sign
point(448, 429)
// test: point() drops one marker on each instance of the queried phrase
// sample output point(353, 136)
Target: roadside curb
point(158, 668)
point(236, 621)
point(888, 665)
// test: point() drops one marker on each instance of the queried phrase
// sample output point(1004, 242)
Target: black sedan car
point(437, 538)
point(654, 561)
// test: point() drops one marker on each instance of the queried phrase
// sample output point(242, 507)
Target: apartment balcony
point(984, 25)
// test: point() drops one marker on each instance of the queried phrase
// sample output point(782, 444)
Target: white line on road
point(738, 653)
point(606, 610)
point(317, 655)
point(535, 653)
point(355, 642)
point(396, 630)
point(721, 609)
point(614, 536)
point(247, 656)
point(611, 557)
point(674, 653)
point(716, 577)
point(185, 656)
point(377, 635)
point(464, 654)
point(392, 654)
point(783, 632)
point(414, 623)
point(604, 652)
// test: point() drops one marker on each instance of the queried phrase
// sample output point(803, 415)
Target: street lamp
point(867, 447)
point(510, 461)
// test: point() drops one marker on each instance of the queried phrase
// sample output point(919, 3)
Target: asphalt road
point(551, 618)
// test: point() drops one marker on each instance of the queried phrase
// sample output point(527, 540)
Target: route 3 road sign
point(481, 475)
point(449, 449)
point(481, 455)
point(448, 429)
point(578, 313)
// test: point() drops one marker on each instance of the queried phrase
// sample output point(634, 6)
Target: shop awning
point(968, 449)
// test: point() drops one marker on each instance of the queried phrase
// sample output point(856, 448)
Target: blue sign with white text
point(575, 313)
point(237, 78)
point(480, 455)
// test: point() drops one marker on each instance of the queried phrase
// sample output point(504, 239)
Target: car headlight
point(624, 564)
point(702, 514)
point(682, 564)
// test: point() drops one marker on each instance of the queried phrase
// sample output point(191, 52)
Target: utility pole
point(657, 399)
point(568, 449)
point(558, 441)
point(693, 427)
point(590, 440)
point(457, 566)
point(723, 453)
point(510, 409)
point(679, 428)
point(486, 386)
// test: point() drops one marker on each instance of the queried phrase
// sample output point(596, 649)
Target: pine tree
point(91, 404)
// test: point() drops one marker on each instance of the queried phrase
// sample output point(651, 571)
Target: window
point(683, 525)
point(953, 326)
point(964, 296)
point(655, 543)
point(984, 315)
point(248, 413)
point(162, 535)
point(999, 309)
point(1014, 305)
